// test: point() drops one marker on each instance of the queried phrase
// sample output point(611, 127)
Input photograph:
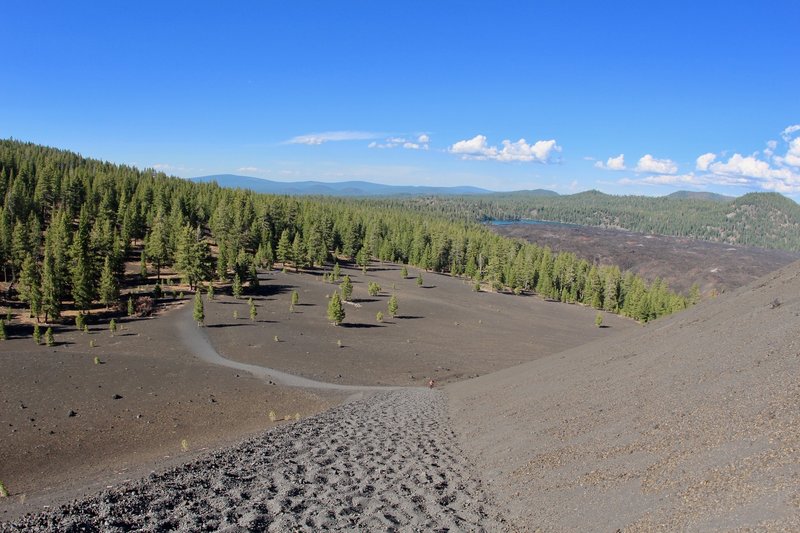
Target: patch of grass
point(272, 416)
point(97, 360)
point(3, 490)
point(184, 445)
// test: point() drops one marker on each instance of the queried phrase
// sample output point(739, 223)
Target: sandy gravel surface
point(690, 424)
point(388, 462)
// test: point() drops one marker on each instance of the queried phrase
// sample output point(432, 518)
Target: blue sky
point(513, 95)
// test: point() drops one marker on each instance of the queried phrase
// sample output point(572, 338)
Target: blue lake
point(531, 222)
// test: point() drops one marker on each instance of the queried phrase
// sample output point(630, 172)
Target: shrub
point(112, 326)
point(144, 306)
point(379, 316)
point(598, 319)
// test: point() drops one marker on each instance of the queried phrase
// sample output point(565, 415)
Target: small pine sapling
point(598, 319)
point(112, 326)
point(2, 330)
point(253, 311)
point(392, 306)
point(198, 313)
point(379, 316)
point(37, 334)
point(347, 288)
point(335, 309)
point(419, 280)
point(373, 288)
point(49, 339)
point(131, 311)
point(210, 294)
point(404, 272)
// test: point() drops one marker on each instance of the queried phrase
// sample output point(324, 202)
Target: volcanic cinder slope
point(691, 423)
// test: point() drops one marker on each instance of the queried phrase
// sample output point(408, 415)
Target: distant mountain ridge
point(341, 188)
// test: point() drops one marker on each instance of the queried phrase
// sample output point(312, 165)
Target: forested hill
point(766, 220)
point(69, 224)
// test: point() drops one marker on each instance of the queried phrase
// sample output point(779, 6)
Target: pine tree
point(31, 286)
point(81, 267)
point(37, 334)
point(210, 294)
point(337, 271)
point(347, 288)
point(392, 306)
point(192, 256)
point(298, 250)
point(236, 288)
point(49, 339)
point(112, 326)
point(284, 251)
point(51, 287)
point(253, 310)
point(295, 298)
point(404, 272)
point(198, 313)
point(419, 280)
point(158, 245)
point(598, 319)
point(335, 309)
point(109, 286)
point(2, 330)
point(130, 306)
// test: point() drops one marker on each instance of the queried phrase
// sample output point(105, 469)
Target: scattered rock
point(116, 397)
point(71, 413)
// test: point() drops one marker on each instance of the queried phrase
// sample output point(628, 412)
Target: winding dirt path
point(196, 340)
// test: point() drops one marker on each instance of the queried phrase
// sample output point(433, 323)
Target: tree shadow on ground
point(363, 300)
point(225, 325)
point(360, 326)
point(409, 317)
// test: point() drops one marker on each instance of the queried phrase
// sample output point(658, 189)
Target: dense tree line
point(766, 220)
point(68, 225)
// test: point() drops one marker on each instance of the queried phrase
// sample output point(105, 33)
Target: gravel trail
point(389, 462)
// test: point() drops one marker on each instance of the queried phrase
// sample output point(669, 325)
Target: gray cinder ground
point(387, 462)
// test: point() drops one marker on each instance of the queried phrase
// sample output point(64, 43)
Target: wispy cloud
point(333, 136)
point(479, 148)
point(418, 142)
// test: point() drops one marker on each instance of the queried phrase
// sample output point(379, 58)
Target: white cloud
point(328, 136)
point(704, 160)
point(248, 169)
point(478, 148)
point(789, 131)
point(403, 142)
point(648, 163)
point(613, 163)
point(793, 154)
point(667, 179)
